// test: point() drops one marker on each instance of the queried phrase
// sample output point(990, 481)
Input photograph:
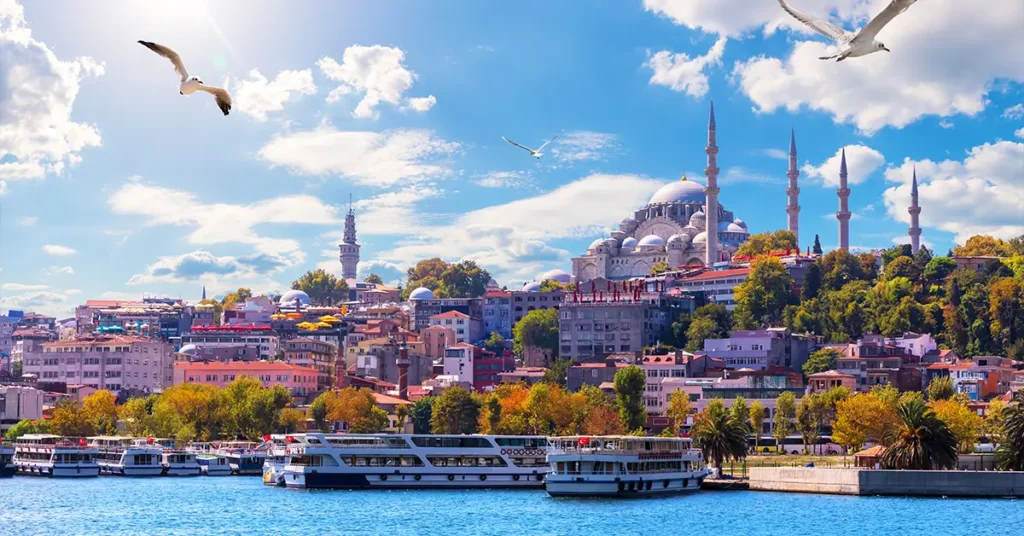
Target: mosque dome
point(629, 243)
point(701, 238)
point(421, 293)
point(596, 243)
point(628, 221)
point(678, 240)
point(493, 284)
point(189, 349)
point(690, 230)
point(289, 299)
point(733, 228)
point(698, 218)
point(532, 286)
point(682, 191)
point(561, 276)
point(651, 240)
point(740, 222)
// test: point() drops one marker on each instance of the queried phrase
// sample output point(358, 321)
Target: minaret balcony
point(843, 192)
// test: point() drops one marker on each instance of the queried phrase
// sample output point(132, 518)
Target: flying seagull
point(534, 153)
point(851, 45)
point(190, 84)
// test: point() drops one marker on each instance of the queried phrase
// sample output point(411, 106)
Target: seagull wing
point(517, 145)
point(821, 26)
point(549, 141)
point(221, 96)
point(894, 8)
point(169, 54)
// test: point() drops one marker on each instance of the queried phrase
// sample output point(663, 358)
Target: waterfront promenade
point(883, 482)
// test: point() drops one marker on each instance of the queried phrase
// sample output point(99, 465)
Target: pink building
point(436, 339)
point(826, 381)
point(299, 380)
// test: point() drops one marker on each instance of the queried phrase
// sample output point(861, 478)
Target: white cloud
point(379, 73)
point(60, 270)
point(1014, 112)
point(392, 213)
point(505, 179)
point(42, 301)
point(256, 96)
point(946, 124)
point(732, 18)
point(679, 72)
point(379, 159)
point(983, 194)
point(37, 94)
point(581, 145)
point(738, 174)
point(26, 221)
point(222, 223)
point(1019, 132)
point(896, 89)
point(202, 265)
point(861, 162)
point(15, 287)
point(58, 250)
point(777, 154)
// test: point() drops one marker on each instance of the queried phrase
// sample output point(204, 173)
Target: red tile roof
point(831, 374)
point(451, 314)
point(389, 400)
point(718, 274)
point(267, 366)
point(497, 294)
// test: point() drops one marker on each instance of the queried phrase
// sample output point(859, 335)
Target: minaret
point(349, 249)
point(204, 292)
point(844, 206)
point(915, 212)
point(711, 191)
point(403, 371)
point(793, 207)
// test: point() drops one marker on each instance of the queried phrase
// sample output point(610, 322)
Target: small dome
point(734, 228)
point(561, 276)
point(629, 243)
point(697, 216)
point(651, 240)
point(628, 221)
point(189, 349)
point(740, 222)
point(293, 298)
point(678, 241)
point(421, 293)
point(532, 286)
point(701, 238)
point(596, 243)
point(690, 230)
point(493, 284)
point(682, 191)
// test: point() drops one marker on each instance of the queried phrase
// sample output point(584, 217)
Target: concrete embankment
point(881, 482)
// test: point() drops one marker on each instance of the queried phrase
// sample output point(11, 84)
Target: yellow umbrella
point(329, 319)
point(322, 325)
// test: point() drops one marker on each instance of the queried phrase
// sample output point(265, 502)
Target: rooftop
point(93, 340)
point(720, 274)
point(267, 366)
point(830, 374)
point(450, 314)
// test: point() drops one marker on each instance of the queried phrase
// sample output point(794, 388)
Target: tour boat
point(405, 461)
point(55, 456)
point(244, 457)
point(6, 460)
point(127, 456)
point(213, 465)
point(623, 466)
point(277, 458)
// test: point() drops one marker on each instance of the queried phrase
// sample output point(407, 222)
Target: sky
point(112, 185)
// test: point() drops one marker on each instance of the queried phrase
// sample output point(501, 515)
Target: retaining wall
point(881, 482)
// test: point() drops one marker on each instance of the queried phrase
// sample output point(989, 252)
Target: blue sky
point(113, 185)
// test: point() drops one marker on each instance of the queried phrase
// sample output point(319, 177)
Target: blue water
point(243, 505)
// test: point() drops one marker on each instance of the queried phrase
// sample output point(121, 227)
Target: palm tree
point(922, 441)
point(719, 434)
point(1010, 454)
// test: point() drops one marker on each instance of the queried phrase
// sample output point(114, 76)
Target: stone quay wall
point(883, 482)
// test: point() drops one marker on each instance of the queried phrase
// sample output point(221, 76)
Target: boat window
point(451, 442)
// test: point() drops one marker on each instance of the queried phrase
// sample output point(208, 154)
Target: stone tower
point(711, 191)
point(793, 191)
point(844, 206)
point(915, 212)
point(349, 249)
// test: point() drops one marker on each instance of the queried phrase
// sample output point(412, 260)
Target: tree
point(902, 267)
point(136, 415)
point(455, 412)
point(322, 286)
point(602, 420)
point(741, 412)
point(856, 421)
point(25, 426)
point(938, 269)
point(711, 321)
point(426, 273)
point(817, 246)
point(318, 411)
point(757, 414)
point(820, 361)
point(358, 408)
point(762, 297)
point(994, 421)
point(558, 373)
point(807, 422)
point(782, 423)
point(629, 392)
point(238, 296)
point(923, 441)
point(677, 410)
point(539, 328)
point(940, 388)
point(659, 268)
point(550, 285)
point(217, 309)
point(840, 267)
point(1006, 309)
point(718, 434)
point(495, 342)
point(767, 243)
point(253, 410)
point(1010, 453)
point(891, 254)
point(100, 412)
point(983, 246)
point(69, 420)
point(490, 418)
point(421, 414)
point(812, 282)
point(966, 425)
point(374, 279)
point(922, 258)
point(464, 280)
point(401, 417)
point(292, 420)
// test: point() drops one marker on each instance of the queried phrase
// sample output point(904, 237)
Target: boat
point(244, 457)
point(177, 461)
point(127, 456)
point(213, 465)
point(277, 458)
point(623, 466)
point(408, 461)
point(55, 456)
point(6, 460)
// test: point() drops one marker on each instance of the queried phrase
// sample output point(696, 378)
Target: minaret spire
point(204, 292)
point(844, 206)
point(349, 248)
point(793, 191)
point(915, 213)
point(711, 192)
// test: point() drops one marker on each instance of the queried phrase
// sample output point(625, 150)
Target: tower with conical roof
point(711, 193)
point(793, 191)
point(844, 206)
point(349, 249)
point(915, 213)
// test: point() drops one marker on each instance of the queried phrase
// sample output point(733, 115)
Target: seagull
point(190, 84)
point(535, 153)
point(851, 45)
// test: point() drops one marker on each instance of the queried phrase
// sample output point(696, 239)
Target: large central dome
point(682, 191)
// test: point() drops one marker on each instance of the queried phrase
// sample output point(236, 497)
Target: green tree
point(902, 267)
point(820, 361)
point(539, 328)
point(629, 392)
point(922, 258)
point(895, 252)
point(550, 285)
point(426, 273)
point(767, 243)
point(464, 280)
point(374, 279)
point(495, 342)
point(812, 282)
point(711, 321)
point(817, 246)
point(923, 441)
point(762, 297)
point(983, 246)
point(1010, 453)
point(421, 414)
point(322, 287)
point(719, 435)
point(807, 420)
point(659, 268)
point(318, 412)
point(291, 420)
point(136, 415)
point(782, 422)
point(757, 415)
point(678, 409)
point(25, 426)
point(1006, 309)
point(741, 412)
point(455, 412)
point(558, 373)
point(236, 297)
point(940, 388)
point(840, 267)
point(938, 269)
point(253, 410)
point(492, 414)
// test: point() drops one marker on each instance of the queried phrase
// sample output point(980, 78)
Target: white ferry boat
point(127, 456)
point(213, 465)
point(244, 457)
point(6, 460)
point(177, 461)
point(355, 461)
point(277, 458)
point(50, 455)
point(623, 466)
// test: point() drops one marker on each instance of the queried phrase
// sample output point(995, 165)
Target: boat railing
point(643, 454)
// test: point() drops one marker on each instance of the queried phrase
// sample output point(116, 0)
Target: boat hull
point(129, 470)
point(182, 471)
point(60, 471)
point(7, 471)
point(621, 487)
point(330, 480)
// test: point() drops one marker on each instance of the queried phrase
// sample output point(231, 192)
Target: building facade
point(261, 337)
point(761, 349)
point(19, 403)
point(315, 355)
point(113, 362)
point(498, 313)
point(301, 381)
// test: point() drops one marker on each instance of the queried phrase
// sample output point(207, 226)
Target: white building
point(718, 285)
point(458, 362)
point(19, 403)
point(112, 362)
point(914, 344)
